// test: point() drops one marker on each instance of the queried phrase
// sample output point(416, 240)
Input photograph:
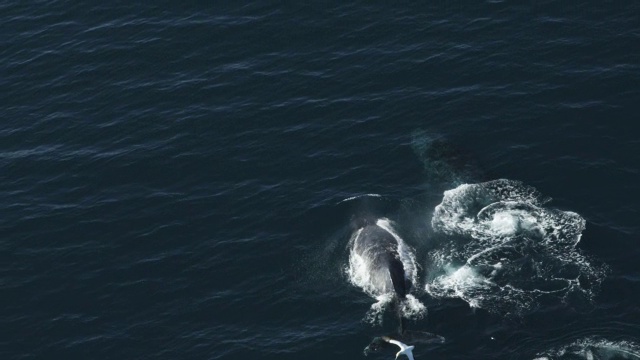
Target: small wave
point(593, 348)
point(510, 249)
point(359, 196)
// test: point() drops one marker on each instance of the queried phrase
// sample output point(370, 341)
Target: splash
point(412, 308)
point(375, 314)
point(377, 284)
point(593, 348)
point(510, 250)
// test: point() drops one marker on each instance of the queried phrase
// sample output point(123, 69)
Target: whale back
point(381, 249)
point(396, 271)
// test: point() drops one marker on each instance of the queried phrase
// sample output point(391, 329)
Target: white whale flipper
point(404, 348)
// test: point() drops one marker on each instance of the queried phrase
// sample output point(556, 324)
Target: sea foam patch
point(509, 249)
point(593, 348)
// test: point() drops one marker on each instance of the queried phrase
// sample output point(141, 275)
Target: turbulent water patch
point(380, 288)
point(593, 349)
point(509, 250)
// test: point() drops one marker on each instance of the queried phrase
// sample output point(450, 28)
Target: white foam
point(461, 283)
point(412, 308)
point(374, 315)
point(510, 248)
point(505, 223)
point(591, 348)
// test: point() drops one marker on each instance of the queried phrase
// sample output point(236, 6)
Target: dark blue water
point(172, 175)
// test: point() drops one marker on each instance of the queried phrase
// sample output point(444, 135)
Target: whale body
point(378, 250)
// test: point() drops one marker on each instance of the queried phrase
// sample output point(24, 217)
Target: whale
point(382, 264)
point(379, 251)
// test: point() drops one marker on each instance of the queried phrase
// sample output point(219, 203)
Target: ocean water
point(179, 181)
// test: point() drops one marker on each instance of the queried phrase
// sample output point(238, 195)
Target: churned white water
point(593, 348)
point(509, 248)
